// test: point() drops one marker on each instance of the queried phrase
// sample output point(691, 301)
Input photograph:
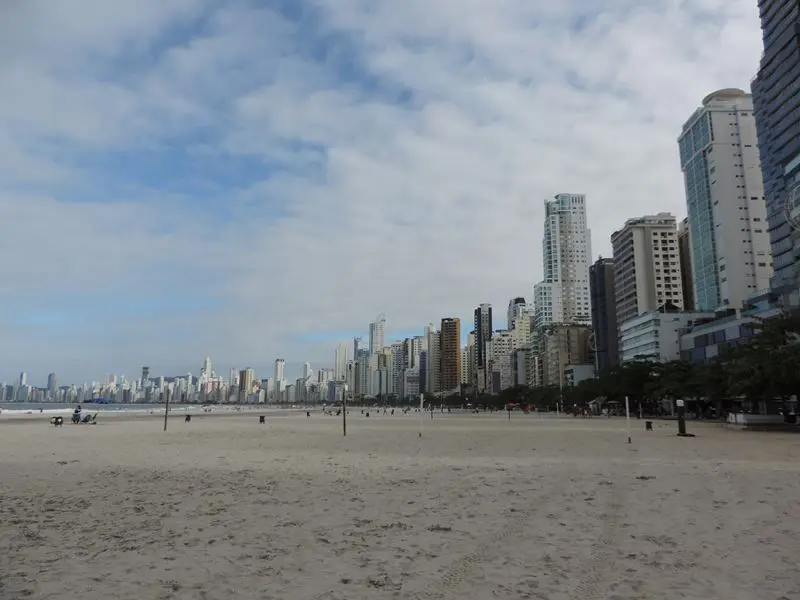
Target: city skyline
point(172, 191)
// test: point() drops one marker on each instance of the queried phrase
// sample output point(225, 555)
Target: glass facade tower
point(777, 107)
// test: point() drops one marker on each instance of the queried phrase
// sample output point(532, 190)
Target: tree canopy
point(762, 365)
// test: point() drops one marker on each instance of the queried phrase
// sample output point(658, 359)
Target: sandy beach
point(481, 507)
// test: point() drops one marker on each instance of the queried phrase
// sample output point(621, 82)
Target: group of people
point(78, 416)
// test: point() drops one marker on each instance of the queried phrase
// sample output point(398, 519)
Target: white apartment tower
point(340, 362)
point(647, 269)
point(516, 306)
point(433, 359)
point(563, 295)
point(280, 365)
point(468, 369)
point(377, 331)
point(730, 245)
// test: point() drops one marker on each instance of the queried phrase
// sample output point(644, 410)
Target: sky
point(250, 180)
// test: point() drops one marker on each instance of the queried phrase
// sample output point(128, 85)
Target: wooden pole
point(166, 411)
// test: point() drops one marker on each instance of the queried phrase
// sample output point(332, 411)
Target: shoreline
point(33, 417)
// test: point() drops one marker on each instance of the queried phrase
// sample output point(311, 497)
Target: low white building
point(656, 335)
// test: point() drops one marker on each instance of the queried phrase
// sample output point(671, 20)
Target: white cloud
point(409, 182)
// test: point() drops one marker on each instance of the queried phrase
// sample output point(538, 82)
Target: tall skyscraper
point(340, 362)
point(280, 365)
point(376, 334)
point(685, 256)
point(450, 354)
point(433, 358)
point(483, 333)
point(604, 314)
point(23, 379)
point(778, 123)
point(307, 372)
point(206, 367)
point(521, 326)
point(515, 308)
point(725, 201)
point(52, 384)
point(246, 379)
point(398, 365)
point(563, 295)
point(362, 372)
point(466, 364)
point(646, 266)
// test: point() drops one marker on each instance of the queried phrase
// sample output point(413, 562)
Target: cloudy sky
point(248, 180)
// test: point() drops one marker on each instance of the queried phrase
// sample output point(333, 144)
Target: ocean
point(59, 408)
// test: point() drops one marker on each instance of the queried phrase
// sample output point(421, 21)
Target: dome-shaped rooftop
point(724, 93)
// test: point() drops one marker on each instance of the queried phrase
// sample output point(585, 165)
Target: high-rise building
point(414, 348)
point(563, 295)
point(52, 384)
point(233, 377)
point(604, 314)
point(778, 121)
point(307, 371)
point(685, 256)
point(246, 378)
point(725, 201)
point(388, 375)
point(340, 362)
point(398, 366)
point(466, 360)
point(646, 266)
point(23, 379)
point(483, 333)
point(377, 331)
point(450, 354)
point(206, 370)
point(500, 374)
point(516, 306)
point(521, 327)
point(563, 346)
point(468, 367)
point(280, 365)
point(362, 372)
point(433, 365)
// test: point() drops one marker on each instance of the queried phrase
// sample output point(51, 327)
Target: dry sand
point(481, 508)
